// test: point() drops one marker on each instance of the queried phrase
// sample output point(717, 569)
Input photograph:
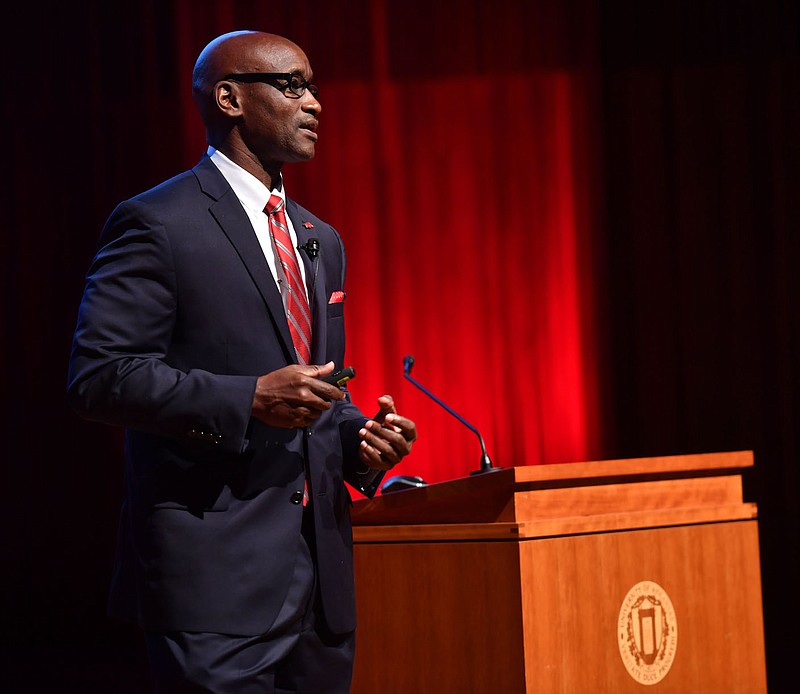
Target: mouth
point(310, 128)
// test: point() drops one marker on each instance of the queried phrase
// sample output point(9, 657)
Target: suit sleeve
point(117, 368)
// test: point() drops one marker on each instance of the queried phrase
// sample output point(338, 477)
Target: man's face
point(277, 128)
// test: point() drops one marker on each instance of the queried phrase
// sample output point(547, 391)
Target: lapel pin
point(308, 225)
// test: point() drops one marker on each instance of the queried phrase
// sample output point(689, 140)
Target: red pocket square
point(336, 298)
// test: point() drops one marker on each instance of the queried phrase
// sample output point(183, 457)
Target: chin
point(304, 155)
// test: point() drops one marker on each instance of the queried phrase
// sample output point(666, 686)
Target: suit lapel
point(315, 283)
point(232, 219)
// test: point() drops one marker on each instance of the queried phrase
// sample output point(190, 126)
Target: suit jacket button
point(297, 498)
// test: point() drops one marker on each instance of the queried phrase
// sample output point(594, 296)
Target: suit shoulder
point(309, 220)
point(300, 212)
point(166, 191)
point(174, 204)
point(204, 179)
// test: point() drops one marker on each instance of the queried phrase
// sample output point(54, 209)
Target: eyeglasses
point(292, 86)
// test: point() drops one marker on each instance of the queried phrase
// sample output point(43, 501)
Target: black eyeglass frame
point(270, 78)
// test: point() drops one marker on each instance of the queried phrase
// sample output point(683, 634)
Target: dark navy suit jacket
point(179, 317)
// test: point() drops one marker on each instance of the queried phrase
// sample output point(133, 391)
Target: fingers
point(316, 370)
point(386, 405)
point(385, 445)
point(294, 396)
point(297, 417)
point(326, 391)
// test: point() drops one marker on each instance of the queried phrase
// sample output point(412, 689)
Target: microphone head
point(311, 247)
point(408, 362)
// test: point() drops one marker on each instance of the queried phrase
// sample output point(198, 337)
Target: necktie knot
point(274, 205)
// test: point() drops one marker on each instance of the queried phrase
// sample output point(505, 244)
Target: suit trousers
point(298, 654)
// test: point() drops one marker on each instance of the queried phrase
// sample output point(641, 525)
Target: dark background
point(699, 175)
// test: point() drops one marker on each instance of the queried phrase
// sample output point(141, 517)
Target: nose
point(311, 103)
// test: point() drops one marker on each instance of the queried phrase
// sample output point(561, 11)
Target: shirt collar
point(250, 191)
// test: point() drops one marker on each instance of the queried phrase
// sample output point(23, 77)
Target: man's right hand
point(294, 396)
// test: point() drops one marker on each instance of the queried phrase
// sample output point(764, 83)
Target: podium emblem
point(647, 632)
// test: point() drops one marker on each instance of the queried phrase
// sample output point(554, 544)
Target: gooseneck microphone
point(486, 463)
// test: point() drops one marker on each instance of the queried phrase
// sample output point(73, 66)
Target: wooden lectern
point(637, 575)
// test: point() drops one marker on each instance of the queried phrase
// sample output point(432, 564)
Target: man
point(203, 333)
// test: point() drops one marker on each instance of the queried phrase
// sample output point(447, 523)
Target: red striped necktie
point(298, 313)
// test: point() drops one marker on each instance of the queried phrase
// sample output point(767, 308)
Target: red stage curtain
point(464, 252)
point(465, 195)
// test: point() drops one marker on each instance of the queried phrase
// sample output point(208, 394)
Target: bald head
point(237, 51)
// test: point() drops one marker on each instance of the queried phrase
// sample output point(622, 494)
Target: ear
point(226, 98)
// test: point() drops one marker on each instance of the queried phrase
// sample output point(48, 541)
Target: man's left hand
point(386, 438)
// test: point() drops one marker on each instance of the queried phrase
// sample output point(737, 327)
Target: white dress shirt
point(254, 195)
